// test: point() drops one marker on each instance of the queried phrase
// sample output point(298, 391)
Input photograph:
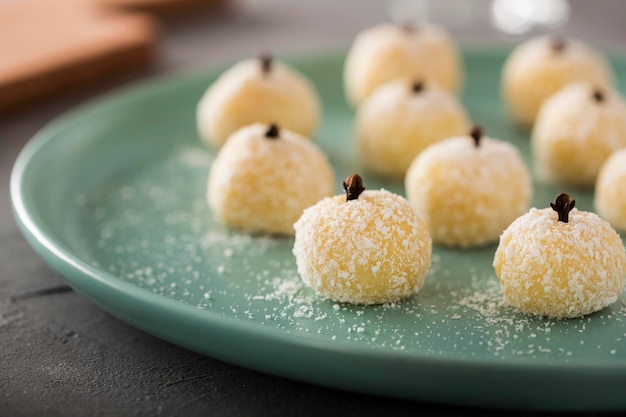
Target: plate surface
point(113, 197)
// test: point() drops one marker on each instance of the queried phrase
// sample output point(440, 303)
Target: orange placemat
point(48, 46)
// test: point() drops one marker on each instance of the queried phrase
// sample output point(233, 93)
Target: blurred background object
point(165, 9)
point(49, 47)
point(521, 17)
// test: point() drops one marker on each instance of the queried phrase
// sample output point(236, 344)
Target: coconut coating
point(371, 250)
point(388, 51)
point(246, 94)
point(262, 185)
point(610, 193)
point(575, 134)
point(396, 123)
point(468, 194)
point(560, 270)
point(536, 69)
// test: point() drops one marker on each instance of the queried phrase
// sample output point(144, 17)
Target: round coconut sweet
point(610, 192)
point(388, 51)
point(576, 131)
point(469, 189)
point(264, 177)
point(560, 262)
point(365, 247)
point(257, 91)
point(400, 119)
point(541, 66)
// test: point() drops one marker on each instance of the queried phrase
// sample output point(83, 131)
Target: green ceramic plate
point(113, 197)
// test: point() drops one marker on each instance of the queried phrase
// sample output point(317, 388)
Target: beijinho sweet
point(389, 51)
point(400, 119)
point(469, 189)
point(257, 91)
point(365, 247)
point(541, 66)
point(264, 177)
point(560, 262)
point(610, 192)
point(576, 131)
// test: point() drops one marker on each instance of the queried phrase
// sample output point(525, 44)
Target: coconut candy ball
point(400, 119)
point(560, 262)
point(469, 189)
point(365, 247)
point(264, 177)
point(388, 51)
point(541, 66)
point(576, 131)
point(257, 91)
point(610, 192)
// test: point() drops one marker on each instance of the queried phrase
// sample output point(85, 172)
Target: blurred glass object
point(447, 12)
point(517, 17)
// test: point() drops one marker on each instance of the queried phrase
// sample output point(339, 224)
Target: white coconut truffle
point(541, 66)
point(400, 119)
point(560, 264)
point(469, 189)
point(264, 177)
point(389, 51)
point(576, 131)
point(257, 91)
point(610, 192)
point(366, 247)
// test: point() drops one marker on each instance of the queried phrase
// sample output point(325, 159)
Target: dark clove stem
point(353, 186)
point(477, 134)
point(409, 26)
point(598, 95)
point(266, 61)
point(563, 204)
point(272, 131)
point(557, 44)
point(417, 87)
